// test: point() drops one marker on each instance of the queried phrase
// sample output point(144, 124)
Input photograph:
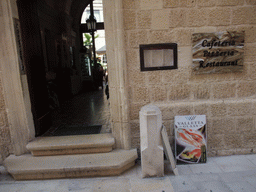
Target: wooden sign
point(220, 52)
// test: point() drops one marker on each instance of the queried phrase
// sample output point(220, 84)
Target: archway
point(116, 56)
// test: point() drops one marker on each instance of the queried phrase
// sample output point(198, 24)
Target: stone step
point(28, 167)
point(74, 144)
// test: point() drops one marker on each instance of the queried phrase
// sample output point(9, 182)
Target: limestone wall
point(228, 100)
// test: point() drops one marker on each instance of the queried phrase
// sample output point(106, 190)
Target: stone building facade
point(228, 100)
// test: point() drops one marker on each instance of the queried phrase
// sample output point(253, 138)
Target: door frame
point(19, 111)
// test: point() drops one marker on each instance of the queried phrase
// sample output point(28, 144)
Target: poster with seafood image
point(190, 139)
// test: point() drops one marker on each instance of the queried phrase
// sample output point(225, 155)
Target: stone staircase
point(70, 157)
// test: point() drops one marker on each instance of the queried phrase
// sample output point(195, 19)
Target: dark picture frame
point(158, 57)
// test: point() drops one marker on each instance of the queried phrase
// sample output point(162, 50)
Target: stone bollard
point(152, 157)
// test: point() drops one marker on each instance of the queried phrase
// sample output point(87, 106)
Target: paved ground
point(219, 174)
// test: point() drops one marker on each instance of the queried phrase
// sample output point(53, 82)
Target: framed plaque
point(158, 57)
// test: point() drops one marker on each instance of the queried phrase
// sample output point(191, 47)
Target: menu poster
point(190, 139)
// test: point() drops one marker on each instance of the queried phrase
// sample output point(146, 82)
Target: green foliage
point(88, 39)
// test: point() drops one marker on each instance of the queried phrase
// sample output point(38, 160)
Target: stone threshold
point(28, 167)
point(75, 144)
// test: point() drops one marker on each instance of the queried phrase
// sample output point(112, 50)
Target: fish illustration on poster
point(190, 139)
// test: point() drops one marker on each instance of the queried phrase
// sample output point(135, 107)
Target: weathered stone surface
point(159, 36)
point(171, 3)
point(246, 89)
point(182, 36)
point(206, 3)
point(219, 16)
point(158, 93)
point(160, 20)
point(229, 2)
point(201, 109)
point(177, 18)
point(250, 2)
point(195, 18)
point(201, 91)
point(135, 108)
point(144, 19)
point(215, 141)
point(154, 77)
point(184, 110)
point(135, 38)
point(233, 141)
point(140, 94)
point(219, 109)
point(187, 3)
point(222, 126)
point(239, 109)
point(129, 4)
point(152, 4)
point(129, 19)
point(243, 15)
point(221, 91)
point(179, 92)
point(245, 125)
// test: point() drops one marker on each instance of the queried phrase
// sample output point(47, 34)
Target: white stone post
point(152, 157)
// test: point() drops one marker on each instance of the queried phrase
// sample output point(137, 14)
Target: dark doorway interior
point(52, 48)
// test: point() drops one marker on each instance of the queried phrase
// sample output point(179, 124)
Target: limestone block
point(201, 91)
point(184, 57)
point(129, 19)
point(239, 109)
point(129, 4)
point(171, 3)
point(140, 94)
point(158, 93)
point(136, 77)
point(206, 3)
point(177, 18)
point(196, 18)
point(249, 140)
point(250, 2)
point(229, 2)
point(132, 59)
point(201, 109)
point(135, 143)
point(184, 109)
point(233, 141)
point(152, 159)
point(250, 53)
point(5, 137)
point(243, 15)
point(135, 108)
point(144, 18)
point(179, 75)
point(135, 128)
point(246, 89)
point(182, 36)
point(246, 125)
point(135, 38)
point(222, 126)
point(159, 36)
point(168, 112)
point(226, 152)
point(3, 119)
point(244, 151)
point(151, 4)
point(160, 19)
point(252, 72)
point(215, 141)
point(250, 32)
point(221, 91)
point(219, 16)
point(154, 77)
point(179, 92)
point(218, 109)
point(187, 3)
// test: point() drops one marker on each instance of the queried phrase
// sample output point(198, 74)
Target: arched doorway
point(116, 56)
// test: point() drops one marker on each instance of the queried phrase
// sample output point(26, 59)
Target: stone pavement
point(219, 174)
